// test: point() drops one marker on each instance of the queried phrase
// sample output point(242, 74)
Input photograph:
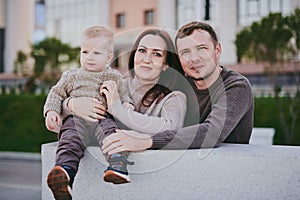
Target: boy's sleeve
point(57, 94)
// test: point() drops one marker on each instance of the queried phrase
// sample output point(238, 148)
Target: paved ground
point(20, 177)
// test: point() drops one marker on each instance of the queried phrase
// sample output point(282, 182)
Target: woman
point(155, 75)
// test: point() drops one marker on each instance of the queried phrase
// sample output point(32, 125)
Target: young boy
point(76, 132)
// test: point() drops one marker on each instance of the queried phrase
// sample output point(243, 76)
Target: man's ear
point(218, 50)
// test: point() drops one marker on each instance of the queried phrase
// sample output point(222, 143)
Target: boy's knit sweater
point(81, 83)
point(168, 114)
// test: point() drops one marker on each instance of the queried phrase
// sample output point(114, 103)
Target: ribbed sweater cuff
point(161, 139)
point(51, 106)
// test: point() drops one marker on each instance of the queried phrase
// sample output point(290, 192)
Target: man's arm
point(230, 107)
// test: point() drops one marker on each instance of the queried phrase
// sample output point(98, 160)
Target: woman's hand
point(110, 90)
point(88, 108)
point(124, 140)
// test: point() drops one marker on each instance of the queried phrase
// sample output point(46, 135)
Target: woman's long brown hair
point(169, 78)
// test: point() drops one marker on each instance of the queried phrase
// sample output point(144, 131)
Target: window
point(40, 15)
point(120, 20)
point(254, 10)
point(207, 10)
point(2, 43)
point(149, 17)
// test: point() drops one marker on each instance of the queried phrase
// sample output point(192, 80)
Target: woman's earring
point(165, 68)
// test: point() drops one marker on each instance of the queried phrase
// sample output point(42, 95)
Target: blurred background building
point(24, 22)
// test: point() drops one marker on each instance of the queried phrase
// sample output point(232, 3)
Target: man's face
point(198, 54)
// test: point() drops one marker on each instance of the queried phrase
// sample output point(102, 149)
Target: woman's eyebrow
point(154, 49)
point(158, 50)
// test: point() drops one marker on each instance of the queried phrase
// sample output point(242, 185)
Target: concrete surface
point(262, 136)
point(20, 176)
point(231, 171)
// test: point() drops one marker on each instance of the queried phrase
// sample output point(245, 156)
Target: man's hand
point(124, 140)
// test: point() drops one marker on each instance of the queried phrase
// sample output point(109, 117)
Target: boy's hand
point(53, 121)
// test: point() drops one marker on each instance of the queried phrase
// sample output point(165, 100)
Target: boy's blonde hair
point(96, 31)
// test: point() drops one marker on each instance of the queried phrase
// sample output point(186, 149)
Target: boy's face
point(94, 54)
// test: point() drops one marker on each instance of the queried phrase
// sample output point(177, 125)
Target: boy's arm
point(53, 121)
point(58, 93)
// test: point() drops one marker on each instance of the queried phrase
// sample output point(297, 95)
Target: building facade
point(21, 24)
point(24, 22)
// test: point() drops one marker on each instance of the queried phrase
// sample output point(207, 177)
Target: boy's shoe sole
point(58, 181)
point(115, 177)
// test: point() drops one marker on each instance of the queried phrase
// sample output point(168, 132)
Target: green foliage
point(266, 114)
point(23, 128)
point(243, 44)
point(19, 62)
point(273, 41)
point(294, 24)
point(48, 55)
point(53, 52)
point(22, 124)
point(267, 40)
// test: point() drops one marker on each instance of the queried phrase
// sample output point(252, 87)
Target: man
point(225, 100)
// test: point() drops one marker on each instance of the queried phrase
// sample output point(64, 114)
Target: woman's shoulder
point(127, 81)
point(178, 95)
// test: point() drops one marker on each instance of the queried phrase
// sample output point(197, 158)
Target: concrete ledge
point(262, 136)
point(231, 171)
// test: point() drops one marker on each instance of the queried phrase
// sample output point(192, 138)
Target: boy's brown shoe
point(59, 182)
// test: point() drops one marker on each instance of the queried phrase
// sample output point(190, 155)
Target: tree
point(49, 55)
point(20, 62)
point(270, 41)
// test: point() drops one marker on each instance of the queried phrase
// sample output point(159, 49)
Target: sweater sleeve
point(228, 109)
point(171, 116)
point(58, 93)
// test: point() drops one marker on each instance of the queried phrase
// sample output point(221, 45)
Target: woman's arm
point(171, 116)
point(86, 107)
point(220, 123)
point(168, 114)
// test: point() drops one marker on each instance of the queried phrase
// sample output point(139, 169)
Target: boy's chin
point(92, 69)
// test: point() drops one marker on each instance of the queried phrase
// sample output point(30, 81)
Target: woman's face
point(149, 59)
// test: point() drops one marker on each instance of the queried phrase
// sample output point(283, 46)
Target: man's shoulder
point(233, 76)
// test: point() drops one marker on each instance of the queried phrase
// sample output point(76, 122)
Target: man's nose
point(195, 56)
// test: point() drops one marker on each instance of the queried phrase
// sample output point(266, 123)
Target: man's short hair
point(189, 28)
